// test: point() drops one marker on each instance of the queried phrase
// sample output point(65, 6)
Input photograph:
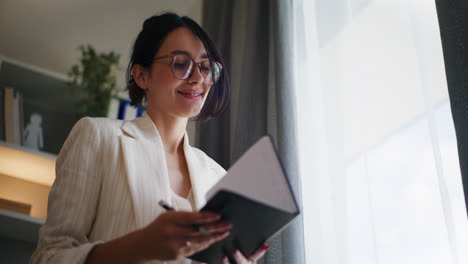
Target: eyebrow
point(203, 56)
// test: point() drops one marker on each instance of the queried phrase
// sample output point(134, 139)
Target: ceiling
point(46, 33)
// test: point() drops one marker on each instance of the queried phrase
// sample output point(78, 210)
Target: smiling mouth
point(193, 96)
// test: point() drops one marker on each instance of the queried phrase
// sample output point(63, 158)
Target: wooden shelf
point(29, 150)
point(40, 167)
point(19, 226)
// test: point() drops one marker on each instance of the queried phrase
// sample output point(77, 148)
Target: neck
point(171, 129)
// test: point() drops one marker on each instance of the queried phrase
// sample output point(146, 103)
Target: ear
point(140, 75)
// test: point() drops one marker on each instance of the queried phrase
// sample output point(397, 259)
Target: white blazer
point(110, 176)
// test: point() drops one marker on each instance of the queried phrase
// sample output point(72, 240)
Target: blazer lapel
point(148, 178)
point(145, 161)
point(202, 176)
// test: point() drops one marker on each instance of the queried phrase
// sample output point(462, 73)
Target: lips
point(194, 95)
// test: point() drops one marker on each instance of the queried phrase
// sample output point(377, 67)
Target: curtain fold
point(453, 20)
point(255, 40)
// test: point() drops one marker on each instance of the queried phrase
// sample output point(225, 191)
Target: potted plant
point(95, 77)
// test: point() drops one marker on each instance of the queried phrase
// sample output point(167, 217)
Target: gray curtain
point(255, 39)
point(453, 22)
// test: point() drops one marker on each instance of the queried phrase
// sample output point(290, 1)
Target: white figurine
point(33, 132)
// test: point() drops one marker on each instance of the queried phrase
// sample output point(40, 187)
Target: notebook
point(256, 197)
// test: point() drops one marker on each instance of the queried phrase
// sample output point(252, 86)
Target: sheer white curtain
point(379, 166)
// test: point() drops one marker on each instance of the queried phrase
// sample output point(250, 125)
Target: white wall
point(47, 33)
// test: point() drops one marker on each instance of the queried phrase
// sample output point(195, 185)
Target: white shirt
point(181, 204)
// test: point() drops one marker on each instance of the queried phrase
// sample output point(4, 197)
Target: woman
point(111, 174)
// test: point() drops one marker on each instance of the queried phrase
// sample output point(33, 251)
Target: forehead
point(183, 39)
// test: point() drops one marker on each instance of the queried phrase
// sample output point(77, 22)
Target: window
point(380, 174)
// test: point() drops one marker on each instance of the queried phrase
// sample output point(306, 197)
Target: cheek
point(162, 85)
point(207, 92)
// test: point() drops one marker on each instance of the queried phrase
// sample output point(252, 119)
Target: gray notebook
point(256, 197)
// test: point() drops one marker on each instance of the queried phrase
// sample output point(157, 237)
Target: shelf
point(29, 150)
point(19, 226)
point(27, 164)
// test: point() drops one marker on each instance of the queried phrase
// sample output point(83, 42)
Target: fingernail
point(265, 246)
point(216, 216)
point(213, 216)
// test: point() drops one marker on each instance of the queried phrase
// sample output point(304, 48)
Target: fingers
point(239, 257)
point(201, 243)
point(175, 234)
point(180, 231)
point(217, 227)
point(258, 254)
point(208, 240)
point(190, 218)
point(190, 231)
point(187, 224)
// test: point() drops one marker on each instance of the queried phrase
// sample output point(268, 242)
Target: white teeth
point(192, 94)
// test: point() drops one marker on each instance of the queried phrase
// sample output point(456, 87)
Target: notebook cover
point(253, 223)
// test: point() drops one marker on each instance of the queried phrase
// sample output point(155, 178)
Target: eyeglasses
point(183, 67)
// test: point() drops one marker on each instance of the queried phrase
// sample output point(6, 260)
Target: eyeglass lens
point(183, 65)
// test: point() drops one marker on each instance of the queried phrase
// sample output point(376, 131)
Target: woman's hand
point(240, 259)
point(173, 235)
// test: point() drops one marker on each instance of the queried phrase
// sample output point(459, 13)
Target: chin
point(189, 114)
point(190, 110)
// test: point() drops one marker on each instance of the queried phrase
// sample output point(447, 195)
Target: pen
point(164, 205)
point(199, 228)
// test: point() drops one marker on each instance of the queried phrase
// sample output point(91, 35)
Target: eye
point(206, 67)
point(181, 62)
point(181, 65)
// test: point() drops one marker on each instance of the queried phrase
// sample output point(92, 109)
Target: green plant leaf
point(95, 76)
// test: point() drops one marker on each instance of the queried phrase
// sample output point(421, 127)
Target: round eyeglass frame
point(198, 64)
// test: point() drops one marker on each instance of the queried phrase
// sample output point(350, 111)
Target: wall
point(47, 33)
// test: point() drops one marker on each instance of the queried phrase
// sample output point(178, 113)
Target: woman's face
point(169, 95)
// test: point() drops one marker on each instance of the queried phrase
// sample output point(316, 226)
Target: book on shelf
point(2, 114)
point(8, 114)
point(256, 197)
point(121, 109)
point(13, 116)
point(127, 111)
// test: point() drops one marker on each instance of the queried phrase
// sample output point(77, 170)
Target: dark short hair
point(149, 40)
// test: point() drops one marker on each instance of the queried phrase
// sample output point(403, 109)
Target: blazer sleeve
point(73, 198)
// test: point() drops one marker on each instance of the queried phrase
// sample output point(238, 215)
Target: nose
point(196, 76)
